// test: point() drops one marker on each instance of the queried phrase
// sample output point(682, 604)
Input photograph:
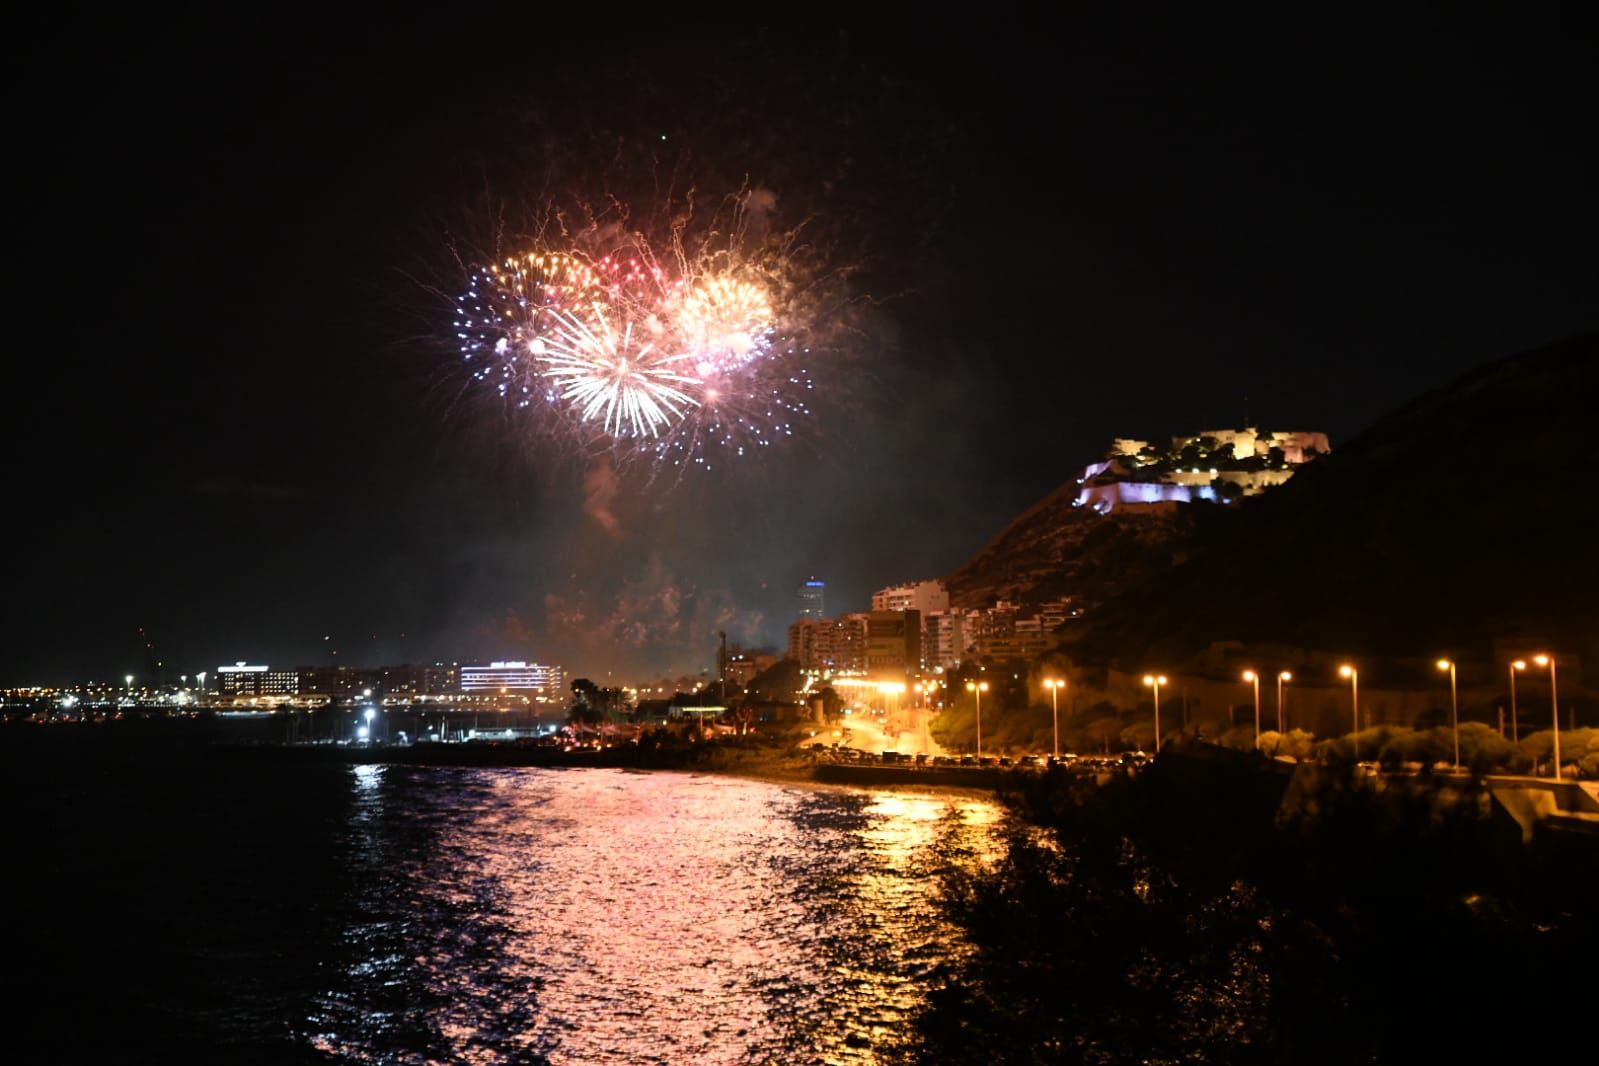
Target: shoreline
point(754, 764)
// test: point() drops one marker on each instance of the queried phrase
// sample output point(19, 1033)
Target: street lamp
point(128, 678)
point(1154, 681)
point(1283, 677)
point(1454, 705)
point(1254, 679)
point(1054, 687)
point(979, 687)
point(1515, 732)
point(366, 730)
point(1554, 705)
point(1354, 700)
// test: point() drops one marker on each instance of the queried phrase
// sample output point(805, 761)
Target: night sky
point(231, 418)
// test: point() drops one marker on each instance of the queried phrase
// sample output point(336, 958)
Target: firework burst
point(612, 374)
point(724, 324)
point(695, 347)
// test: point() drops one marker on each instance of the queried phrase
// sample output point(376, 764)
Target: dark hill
point(1467, 515)
point(1055, 549)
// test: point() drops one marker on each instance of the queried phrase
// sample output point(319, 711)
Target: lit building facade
point(893, 644)
point(245, 679)
point(811, 599)
point(943, 639)
point(923, 596)
point(829, 645)
point(436, 679)
point(514, 677)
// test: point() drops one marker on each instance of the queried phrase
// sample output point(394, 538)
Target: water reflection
point(587, 916)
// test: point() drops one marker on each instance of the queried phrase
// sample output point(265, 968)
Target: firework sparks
point(724, 323)
point(630, 387)
point(671, 355)
point(506, 313)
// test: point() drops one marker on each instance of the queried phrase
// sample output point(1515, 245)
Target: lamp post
point(1515, 731)
point(978, 687)
point(1254, 679)
point(1354, 700)
point(1454, 705)
point(1283, 677)
point(1554, 705)
point(1054, 687)
point(1154, 681)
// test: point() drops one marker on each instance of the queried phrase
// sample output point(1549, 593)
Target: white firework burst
point(611, 376)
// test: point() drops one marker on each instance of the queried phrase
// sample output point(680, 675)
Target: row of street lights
point(1283, 677)
point(1352, 675)
point(1154, 682)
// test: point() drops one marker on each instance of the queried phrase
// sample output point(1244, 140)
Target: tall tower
point(810, 599)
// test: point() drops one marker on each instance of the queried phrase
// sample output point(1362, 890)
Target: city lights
point(1054, 687)
point(1155, 681)
point(1253, 679)
point(978, 688)
point(1554, 706)
point(1350, 674)
point(1454, 705)
point(1515, 732)
point(1283, 677)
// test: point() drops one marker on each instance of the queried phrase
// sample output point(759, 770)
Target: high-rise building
point(893, 644)
point(943, 639)
point(829, 645)
point(810, 599)
point(923, 596)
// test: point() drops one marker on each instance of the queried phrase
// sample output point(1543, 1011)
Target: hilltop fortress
point(1218, 465)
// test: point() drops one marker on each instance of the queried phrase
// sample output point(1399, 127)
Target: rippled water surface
point(611, 916)
point(436, 915)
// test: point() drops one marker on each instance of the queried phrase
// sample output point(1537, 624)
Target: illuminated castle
point(1218, 465)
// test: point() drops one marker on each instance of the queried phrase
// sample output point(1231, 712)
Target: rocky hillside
point(1468, 515)
point(1055, 549)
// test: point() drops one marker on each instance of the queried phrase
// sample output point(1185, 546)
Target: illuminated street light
point(1283, 677)
point(1154, 681)
point(1515, 732)
point(1254, 679)
point(1554, 705)
point(1054, 687)
point(979, 687)
point(1454, 705)
point(129, 679)
point(1354, 700)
